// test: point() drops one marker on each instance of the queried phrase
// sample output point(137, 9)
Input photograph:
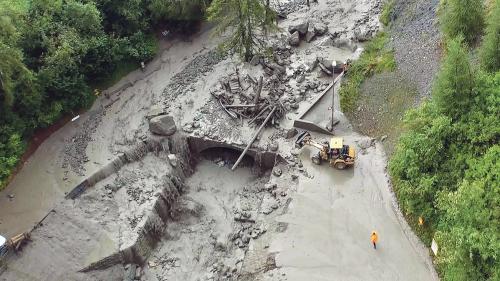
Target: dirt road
point(330, 220)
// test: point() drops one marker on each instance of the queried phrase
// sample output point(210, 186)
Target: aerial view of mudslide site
point(250, 140)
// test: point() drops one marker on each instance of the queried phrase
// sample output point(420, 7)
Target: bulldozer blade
point(299, 143)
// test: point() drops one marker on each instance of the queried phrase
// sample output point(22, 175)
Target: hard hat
point(2, 241)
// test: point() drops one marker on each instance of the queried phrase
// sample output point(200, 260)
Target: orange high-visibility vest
point(374, 237)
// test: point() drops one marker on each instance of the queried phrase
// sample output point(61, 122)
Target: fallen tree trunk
point(259, 89)
point(253, 138)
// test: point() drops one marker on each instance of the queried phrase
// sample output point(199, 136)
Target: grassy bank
point(376, 58)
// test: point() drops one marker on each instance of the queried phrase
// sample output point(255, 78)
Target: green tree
point(447, 171)
point(57, 39)
point(470, 228)
point(245, 20)
point(490, 50)
point(162, 10)
point(124, 17)
point(462, 17)
point(12, 69)
point(418, 159)
point(454, 88)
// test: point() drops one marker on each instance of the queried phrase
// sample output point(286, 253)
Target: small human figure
point(374, 239)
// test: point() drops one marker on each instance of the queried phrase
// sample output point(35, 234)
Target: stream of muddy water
point(198, 240)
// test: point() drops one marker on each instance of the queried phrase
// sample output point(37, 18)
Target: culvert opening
point(226, 157)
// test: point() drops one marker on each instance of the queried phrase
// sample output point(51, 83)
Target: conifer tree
point(462, 17)
point(490, 50)
point(245, 20)
point(454, 88)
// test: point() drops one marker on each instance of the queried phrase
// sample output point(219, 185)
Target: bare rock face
point(163, 125)
point(294, 39)
point(301, 28)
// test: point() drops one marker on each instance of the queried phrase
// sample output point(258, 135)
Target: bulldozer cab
point(336, 143)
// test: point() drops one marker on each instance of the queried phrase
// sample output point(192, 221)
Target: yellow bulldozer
point(335, 152)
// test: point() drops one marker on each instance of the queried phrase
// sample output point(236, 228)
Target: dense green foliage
point(246, 20)
point(54, 52)
point(462, 17)
point(387, 9)
point(375, 58)
point(446, 168)
point(490, 51)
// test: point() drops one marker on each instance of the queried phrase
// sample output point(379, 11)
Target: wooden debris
point(16, 241)
point(253, 138)
point(253, 107)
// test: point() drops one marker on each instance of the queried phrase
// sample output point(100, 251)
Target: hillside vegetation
point(54, 53)
point(445, 169)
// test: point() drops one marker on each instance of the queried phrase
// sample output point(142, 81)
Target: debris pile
point(239, 101)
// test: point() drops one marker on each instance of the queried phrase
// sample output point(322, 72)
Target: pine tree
point(462, 17)
point(244, 19)
point(490, 50)
point(454, 88)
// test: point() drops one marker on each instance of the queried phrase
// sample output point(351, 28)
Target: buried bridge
point(263, 159)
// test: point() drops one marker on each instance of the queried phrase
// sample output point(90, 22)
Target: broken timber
point(253, 138)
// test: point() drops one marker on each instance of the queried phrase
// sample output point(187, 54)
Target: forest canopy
point(445, 169)
point(53, 53)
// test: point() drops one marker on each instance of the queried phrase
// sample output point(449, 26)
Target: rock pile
point(181, 81)
point(305, 31)
point(75, 150)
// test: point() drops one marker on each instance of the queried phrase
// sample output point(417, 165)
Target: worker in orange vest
point(374, 239)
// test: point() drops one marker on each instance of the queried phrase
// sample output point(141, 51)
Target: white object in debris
point(434, 247)
point(2, 241)
point(74, 118)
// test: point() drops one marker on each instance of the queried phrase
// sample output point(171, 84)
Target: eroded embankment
point(124, 209)
point(183, 155)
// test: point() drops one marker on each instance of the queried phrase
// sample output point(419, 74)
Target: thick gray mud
point(165, 221)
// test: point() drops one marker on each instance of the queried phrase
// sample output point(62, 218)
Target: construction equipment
point(13, 244)
point(335, 152)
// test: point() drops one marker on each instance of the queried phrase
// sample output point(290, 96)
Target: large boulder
point(294, 39)
point(310, 36)
point(301, 28)
point(163, 125)
point(320, 28)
